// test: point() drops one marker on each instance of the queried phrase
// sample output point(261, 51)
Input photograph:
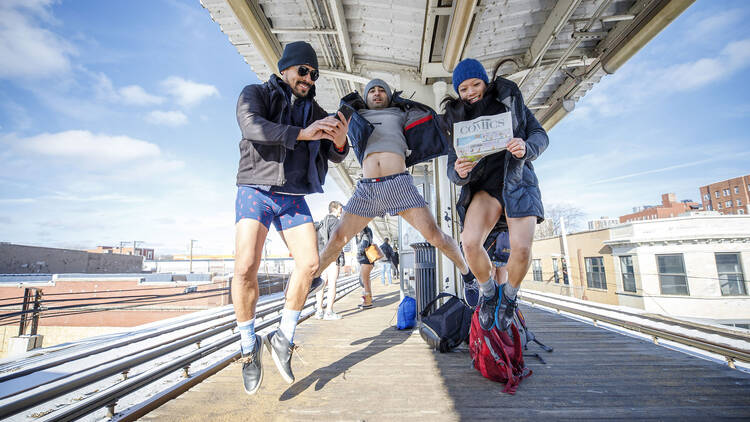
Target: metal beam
point(256, 26)
point(343, 32)
point(332, 73)
point(463, 13)
point(552, 26)
point(312, 31)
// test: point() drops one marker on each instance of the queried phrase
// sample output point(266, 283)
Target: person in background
point(387, 261)
point(325, 228)
point(364, 240)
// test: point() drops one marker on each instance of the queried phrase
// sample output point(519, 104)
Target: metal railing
point(730, 354)
point(218, 334)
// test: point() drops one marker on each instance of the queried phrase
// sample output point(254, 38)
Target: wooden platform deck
point(361, 368)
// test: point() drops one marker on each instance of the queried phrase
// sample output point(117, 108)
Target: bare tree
point(572, 215)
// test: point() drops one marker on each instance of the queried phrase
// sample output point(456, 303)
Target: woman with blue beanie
point(499, 188)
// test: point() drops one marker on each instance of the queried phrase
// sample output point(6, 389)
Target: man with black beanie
point(287, 141)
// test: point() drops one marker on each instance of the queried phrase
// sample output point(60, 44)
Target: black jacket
point(364, 239)
point(424, 136)
point(264, 116)
point(387, 251)
point(521, 192)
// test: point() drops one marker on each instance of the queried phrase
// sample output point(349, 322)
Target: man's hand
point(342, 127)
point(319, 129)
point(517, 147)
point(463, 167)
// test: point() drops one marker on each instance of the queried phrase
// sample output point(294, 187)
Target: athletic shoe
point(281, 352)
point(318, 314)
point(252, 367)
point(331, 316)
point(506, 310)
point(471, 289)
point(315, 285)
point(487, 307)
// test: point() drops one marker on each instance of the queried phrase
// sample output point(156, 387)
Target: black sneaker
point(252, 367)
point(487, 307)
point(281, 352)
point(471, 289)
point(507, 310)
point(315, 285)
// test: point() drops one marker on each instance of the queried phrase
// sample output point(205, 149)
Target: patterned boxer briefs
point(380, 195)
point(285, 211)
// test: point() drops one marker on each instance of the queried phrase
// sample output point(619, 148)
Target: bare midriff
point(381, 164)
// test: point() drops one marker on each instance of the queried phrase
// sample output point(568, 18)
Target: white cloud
point(188, 93)
point(134, 94)
point(168, 118)
point(27, 49)
point(82, 145)
point(714, 23)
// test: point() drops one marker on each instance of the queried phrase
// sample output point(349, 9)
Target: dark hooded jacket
point(424, 137)
point(521, 192)
point(264, 115)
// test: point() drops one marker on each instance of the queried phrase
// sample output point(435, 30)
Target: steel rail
point(731, 354)
point(64, 385)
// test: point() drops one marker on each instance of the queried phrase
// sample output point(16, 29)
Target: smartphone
point(346, 110)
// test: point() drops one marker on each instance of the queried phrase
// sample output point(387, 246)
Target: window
point(731, 279)
point(710, 208)
point(564, 271)
point(628, 273)
point(706, 197)
point(555, 270)
point(717, 193)
point(726, 192)
point(719, 205)
point(736, 189)
point(740, 211)
point(536, 266)
point(739, 202)
point(595, 273)
point(672, 276)
point(728, 204)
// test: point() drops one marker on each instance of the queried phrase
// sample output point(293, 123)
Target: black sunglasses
point(303, 71)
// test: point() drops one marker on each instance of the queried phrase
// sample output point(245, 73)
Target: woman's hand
point(463, 167)
point(517, 147)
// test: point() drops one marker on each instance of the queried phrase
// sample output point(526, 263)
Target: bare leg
point(250, 235)
point(521, 232)
point(483, 213)
point(302, 242)
point(319, 297)
point(365, 270)
point(348, 226)
point(422, 220)
point(501, 274)
point(332, 275)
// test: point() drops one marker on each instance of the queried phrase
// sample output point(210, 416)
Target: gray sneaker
point(319, 314)
point(252, 367)
point(281, 352)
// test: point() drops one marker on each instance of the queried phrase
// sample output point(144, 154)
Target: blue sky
point(117, 123)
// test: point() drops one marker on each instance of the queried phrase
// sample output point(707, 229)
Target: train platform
point(361, 368)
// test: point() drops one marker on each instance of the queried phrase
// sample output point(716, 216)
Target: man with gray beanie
point(388, 134)
point(287, 141)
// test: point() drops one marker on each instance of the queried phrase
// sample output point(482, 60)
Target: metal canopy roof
point(555, 50)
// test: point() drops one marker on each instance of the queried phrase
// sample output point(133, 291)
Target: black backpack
point(448, 326)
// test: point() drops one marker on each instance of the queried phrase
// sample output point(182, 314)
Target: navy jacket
point(521, 192)
point(264, 116)
point(424, 136)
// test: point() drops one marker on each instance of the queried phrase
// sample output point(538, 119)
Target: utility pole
point(122, 243)
point(191, 254)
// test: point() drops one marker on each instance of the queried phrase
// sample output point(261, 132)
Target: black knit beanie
point(298, 52)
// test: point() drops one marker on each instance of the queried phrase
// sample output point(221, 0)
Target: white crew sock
point(488, 287)
point(288, 323)
point(247, 336)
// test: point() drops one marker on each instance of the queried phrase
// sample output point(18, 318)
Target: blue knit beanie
point(467, 69)
point(298, 52)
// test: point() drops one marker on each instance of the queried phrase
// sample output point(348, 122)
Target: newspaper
point(482, 136)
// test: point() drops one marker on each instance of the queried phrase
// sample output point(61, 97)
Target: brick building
point(147, 254)
point(728, 196)
point(669, 208)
